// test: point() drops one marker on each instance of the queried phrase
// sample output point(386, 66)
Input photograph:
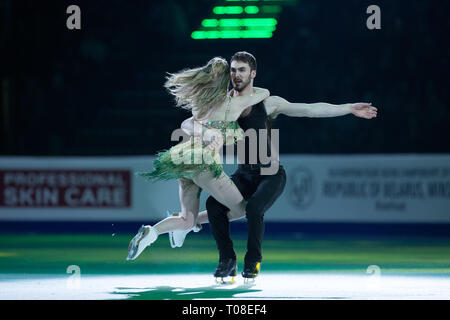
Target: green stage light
point(246, 22)
point(228, 10)
point(197, 35)
point(231, 34)
point(219, 10)
point(234, 10)
point(251, 9)
point(252, 19)
point(213, 34)
point(210, 23)
point(256, 34)
point(259, 22)
point(230, 22)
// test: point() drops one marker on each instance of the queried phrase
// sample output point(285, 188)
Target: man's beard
point(242, 85)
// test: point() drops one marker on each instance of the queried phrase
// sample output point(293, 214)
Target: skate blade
point(226, 280)
point(171, 240)
point(134, 244)
point(249, 281)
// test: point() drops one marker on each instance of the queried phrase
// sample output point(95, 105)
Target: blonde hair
point(202, 89)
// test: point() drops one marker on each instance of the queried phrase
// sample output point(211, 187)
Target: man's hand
point(364, 110)
point(213, 139)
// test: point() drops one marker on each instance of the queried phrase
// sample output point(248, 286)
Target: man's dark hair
point(245, 57)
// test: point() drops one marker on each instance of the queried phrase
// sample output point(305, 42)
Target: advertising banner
point(319, 188)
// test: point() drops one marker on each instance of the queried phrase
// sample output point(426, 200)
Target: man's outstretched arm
point(277, 105)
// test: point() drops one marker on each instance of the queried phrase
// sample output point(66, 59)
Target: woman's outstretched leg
point(189, 200)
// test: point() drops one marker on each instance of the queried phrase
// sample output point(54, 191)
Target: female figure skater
point(204, 91)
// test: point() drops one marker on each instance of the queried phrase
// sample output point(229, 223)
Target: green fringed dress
point(187, 159)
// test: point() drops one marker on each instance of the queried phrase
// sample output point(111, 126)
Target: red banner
point(36, 188)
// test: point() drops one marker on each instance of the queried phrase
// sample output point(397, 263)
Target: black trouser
point(260, 193)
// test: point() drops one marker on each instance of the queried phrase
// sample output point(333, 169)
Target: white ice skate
point(145, 237)
point(177, 237)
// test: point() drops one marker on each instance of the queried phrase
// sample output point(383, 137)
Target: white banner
point(365, 188)
point(325, 188)
point(81, 189)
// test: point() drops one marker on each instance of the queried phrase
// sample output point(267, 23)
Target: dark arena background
point(365, 213)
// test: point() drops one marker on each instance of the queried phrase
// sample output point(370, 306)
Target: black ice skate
point(251, 271)
point(226, 268)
